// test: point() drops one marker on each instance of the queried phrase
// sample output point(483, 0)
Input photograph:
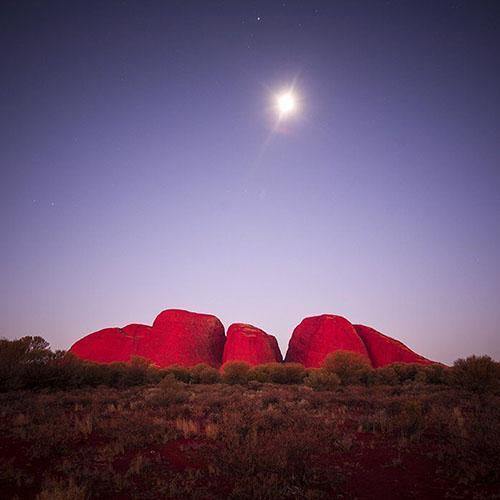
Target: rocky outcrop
point(111, 344)
point(316, 337)
point(384, 350)
point(251, 345)
point(176, 337)
point(187, 338)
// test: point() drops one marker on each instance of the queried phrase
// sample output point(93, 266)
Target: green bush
point(179, 372)
point(22, 361)
point(235, 372)
point(350, 367)
point(409, 372)
point(289, 373)
point(262, 373)
point(170, 391)
point(431, 374)
point(402, 373)
point(28, 363)
point(278, 373)
point(479, 374)
point(386, 375)
point(321, 380)
point(204, 374)
point(139, 372)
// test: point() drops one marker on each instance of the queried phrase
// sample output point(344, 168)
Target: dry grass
point(275, 431)
point(262, 441)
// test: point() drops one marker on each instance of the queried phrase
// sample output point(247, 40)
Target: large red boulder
point(176, 337)
point(316, 337)
point(111, 344)
point(186, 338)
point(385, 350)
point(250, 344)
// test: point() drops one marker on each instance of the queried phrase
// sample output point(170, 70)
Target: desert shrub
point(204, 374)
point(288, 373)
point(79, 373)
point(21, 361)
point(386, 375)
point(408, 372)
point(62, 491)
point(430, 374)
point(321, 380)
point(278, 442)
point(278, 373)
point(407, 419)
point(235, 372)
point(179, 372)
point(261, 373)
point(402, 373)
point(170, 391)
point(350, 367)
point(28, 363)
point(139, 372)
point(478, 374)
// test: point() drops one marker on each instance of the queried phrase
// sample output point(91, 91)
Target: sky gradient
point(142, 168)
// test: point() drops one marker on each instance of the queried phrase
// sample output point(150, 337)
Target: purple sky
point(141, 171)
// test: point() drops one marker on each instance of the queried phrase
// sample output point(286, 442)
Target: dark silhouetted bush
point(204, 374)
point(235, 372)
point(431, 374)
point(262, 373)
point(321, 380)
point(170, 391)
point(386, 375)
point(289, 373)
point(139, 372)
point(278, 373)
point(179, 372)
point(24, 363)
point(409, 372)
point(479, 374)
point(350, 367)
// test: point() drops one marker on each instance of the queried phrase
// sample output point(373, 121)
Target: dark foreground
point(175, 440)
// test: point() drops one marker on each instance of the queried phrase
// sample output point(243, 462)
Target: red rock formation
point(385, 350)
point(177, 337)
point(111, 344)
point(316, 337)
point(187, 338)
point(250, 344)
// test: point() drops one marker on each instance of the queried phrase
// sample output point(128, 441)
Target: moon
point(286, 103)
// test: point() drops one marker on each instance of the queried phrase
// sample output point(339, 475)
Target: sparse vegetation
point(70, 429)
point(476, 373)
point(321, 380)
point(350, 367)
point(235, 372)
point(278, 373)
point(204, 374)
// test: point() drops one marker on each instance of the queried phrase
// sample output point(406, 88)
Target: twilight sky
point(142, 169)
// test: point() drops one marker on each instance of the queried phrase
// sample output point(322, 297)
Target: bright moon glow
point(286, 103)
